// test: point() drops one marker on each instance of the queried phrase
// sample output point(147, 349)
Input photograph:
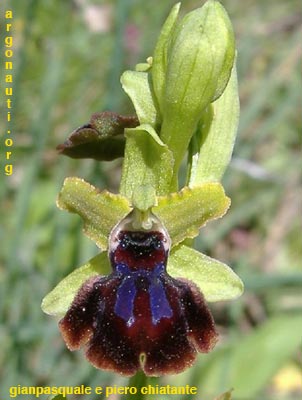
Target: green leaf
point(200, 61)
point(58, 301)
point(212, 145)
point(147, 161)
point(215, 280)
point(160, 58)
point(267, 348)
point(100, 211)
point(249, 360)
point(137, 86)
point(183, 213)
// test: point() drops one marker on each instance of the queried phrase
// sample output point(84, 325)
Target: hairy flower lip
point(139, 317)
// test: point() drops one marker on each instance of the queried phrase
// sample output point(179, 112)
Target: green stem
point(140, 380)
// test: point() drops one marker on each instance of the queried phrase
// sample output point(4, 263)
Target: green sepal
point(100, 211)
point(138, 88)
point(58, 301)
point(215, 280)
point(144, 197)
point(212, 145)
point(160, 58)
point(147, 161)
point(184, 213)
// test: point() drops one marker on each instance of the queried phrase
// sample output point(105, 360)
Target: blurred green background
point(68, 57)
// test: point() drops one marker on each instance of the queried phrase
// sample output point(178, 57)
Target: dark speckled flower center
point(140, 244)
point(139, 250)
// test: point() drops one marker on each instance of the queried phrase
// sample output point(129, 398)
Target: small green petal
point(148, 161)
point(137, 86)
point(183, 213)
point(59, 299)
point(215, 280)
point(100, 211)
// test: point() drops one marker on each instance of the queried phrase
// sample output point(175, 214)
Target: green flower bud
point(200, 57)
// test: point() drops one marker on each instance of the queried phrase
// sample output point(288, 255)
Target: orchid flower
point(142, 302)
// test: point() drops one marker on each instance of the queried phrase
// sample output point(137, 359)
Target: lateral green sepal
point(58, 301)
point(216, 280)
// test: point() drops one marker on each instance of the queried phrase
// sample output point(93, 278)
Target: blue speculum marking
point(160, 307)
point(125, 296)
point(141, 279)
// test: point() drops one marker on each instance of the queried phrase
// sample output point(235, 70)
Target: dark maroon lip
point(139, 317)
